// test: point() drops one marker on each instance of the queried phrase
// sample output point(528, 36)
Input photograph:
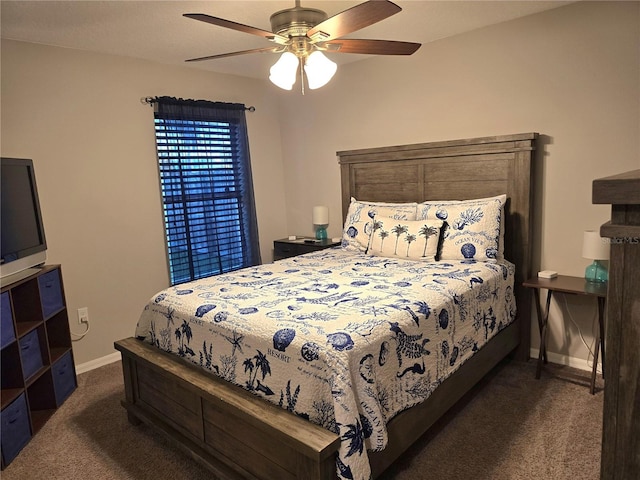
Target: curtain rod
point(151, 101)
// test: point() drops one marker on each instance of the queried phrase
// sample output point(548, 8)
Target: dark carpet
point(510, 426)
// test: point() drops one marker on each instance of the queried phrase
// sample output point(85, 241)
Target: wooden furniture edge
point(513, 142)
point(260, 413)
point(622, 231)
point(621, 189)
point(620, 455)
point(568, 284)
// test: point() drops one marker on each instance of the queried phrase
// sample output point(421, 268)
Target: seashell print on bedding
point(339, 337)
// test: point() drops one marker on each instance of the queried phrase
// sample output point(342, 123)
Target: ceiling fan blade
point(375, 47)
point(233, 54)
point(353, 19)
point(221, 22)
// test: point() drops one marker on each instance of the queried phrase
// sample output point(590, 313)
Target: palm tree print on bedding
point(360, 227)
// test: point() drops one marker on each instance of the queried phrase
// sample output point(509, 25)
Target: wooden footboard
point(227, 429)
point(239, 436)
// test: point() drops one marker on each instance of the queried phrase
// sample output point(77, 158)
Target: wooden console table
point(574, 286)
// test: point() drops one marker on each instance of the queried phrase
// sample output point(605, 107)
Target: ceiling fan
point(301, 35)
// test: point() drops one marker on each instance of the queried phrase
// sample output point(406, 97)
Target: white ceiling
point(156, 30)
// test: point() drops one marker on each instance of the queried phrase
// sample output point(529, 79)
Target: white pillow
point(358, 224)
point(410, 239)
point(472, 230)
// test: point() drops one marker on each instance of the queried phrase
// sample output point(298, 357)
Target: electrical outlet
point(83, 315)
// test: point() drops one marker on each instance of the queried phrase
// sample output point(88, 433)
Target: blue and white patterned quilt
point(341, 338)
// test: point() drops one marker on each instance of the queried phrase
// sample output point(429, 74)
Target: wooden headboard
point(456, 170)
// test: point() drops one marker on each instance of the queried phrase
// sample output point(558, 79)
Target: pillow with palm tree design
point(473, 230)
point(356, 234)
point(412, 240)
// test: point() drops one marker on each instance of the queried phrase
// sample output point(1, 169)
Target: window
point(207, 190)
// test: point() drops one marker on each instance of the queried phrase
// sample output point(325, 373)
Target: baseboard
point(98, 362)
point(579, 363)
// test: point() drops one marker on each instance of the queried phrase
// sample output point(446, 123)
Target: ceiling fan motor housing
point(296, 21)
point(304, 32)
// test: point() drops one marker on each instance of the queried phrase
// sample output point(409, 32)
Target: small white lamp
point(596, 249)
point(321, 222)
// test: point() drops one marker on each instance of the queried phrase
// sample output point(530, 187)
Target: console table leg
point(546, 323)
point(601, 310)
point(594, 370)
point(599, 345)
point(542, 324)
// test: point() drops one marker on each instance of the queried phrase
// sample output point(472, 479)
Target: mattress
point(344, 339)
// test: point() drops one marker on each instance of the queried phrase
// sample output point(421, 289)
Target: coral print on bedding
point(338, 337)
point(473, 230)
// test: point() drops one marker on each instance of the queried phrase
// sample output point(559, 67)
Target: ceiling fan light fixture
point(283, 72)
point(303, 33)
point(319, 69)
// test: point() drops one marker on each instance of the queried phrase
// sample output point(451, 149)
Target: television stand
point(37, 371)
point(16, 277)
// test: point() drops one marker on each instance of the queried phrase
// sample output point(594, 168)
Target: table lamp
point(596, 249)
point(321, 222)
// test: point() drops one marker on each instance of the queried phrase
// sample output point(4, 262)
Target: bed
point(269, 431)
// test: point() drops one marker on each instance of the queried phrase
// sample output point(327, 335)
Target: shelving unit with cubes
point(37, 368)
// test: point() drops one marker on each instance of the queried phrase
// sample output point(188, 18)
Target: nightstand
point(285, 248)
point(573, 286)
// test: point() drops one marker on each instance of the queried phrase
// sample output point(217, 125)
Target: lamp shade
point(319, 70)
point(283, 72)
point(321, 215)
point(594, 247)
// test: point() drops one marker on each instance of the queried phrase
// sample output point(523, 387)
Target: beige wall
point(79, 117)
point(571, 74)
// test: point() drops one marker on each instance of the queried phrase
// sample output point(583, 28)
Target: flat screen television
point(22, 242)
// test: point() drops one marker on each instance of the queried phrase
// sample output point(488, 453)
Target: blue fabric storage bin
point(16, 431)
point(64, 378)
point(50, 293)
point(7, 334)
point(30, 353)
